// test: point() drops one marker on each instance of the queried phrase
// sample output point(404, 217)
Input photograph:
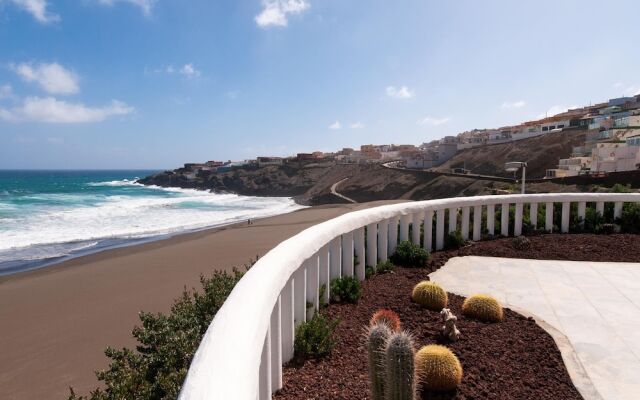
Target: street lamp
point(516, 165)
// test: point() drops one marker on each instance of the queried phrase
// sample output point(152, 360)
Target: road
point(334, 192)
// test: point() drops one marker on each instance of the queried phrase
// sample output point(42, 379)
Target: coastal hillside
point(540, 152)
point(312, 184)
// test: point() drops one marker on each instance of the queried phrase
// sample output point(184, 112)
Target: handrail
point(241, 353)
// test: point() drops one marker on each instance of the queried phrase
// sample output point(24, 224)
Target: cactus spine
point(377, 336)
point(430, 295)
point(399, 354)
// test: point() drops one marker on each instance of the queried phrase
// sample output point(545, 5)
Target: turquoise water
point(49, 216)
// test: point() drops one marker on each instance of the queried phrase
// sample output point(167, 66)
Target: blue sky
point(153, 84)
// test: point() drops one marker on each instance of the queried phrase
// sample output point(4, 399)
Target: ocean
point(50, 216)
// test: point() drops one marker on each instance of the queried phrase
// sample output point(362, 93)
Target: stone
point(449, 330)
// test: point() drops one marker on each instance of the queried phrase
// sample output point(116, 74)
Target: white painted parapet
point(252, 335)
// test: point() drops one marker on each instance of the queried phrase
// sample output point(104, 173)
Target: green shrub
point(630, 219)
point(345, 290)
point(408, 254)
point(369, 272)
point(314, 338)
point(384, 267)
point(453, 240)
point(166, 345)
point(607, 229)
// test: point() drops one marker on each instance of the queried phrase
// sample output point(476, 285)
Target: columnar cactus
point(377, 336)
point(430, 295)
point(482, 307)
point(399, 354)
point(388, 318)
point(437, 368)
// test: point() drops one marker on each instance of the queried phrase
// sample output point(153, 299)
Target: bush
point(408, 254)
point(482, 307)
point(630, 219)
point(369, 272)
point(521, 243)
point(607, 229)
point(346, 290)
point(437, 368)
point(430, 295)
point(166, 345)
point(384, 267)
point(453, 240)
point(314, 338)
point(388, 318)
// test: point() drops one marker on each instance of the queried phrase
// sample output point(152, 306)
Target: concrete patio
point(595, 305)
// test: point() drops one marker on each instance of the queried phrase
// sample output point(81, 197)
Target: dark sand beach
point(55, 322)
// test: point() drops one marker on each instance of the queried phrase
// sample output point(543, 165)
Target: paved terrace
point(595, 305)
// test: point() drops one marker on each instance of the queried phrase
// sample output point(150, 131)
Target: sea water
point(50, 216)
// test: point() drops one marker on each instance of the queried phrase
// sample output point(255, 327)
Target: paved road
point(596, 305)
point(334, 192)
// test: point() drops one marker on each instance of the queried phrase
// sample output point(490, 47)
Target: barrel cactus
point(388, 318)
point(521, 243)
point(376, 337)
point(437, 368)
point(430, 295)
point(482, 307)
point(399, 355)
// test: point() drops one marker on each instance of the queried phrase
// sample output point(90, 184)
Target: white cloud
point(6, 92)
point(53, 78)
point(514, 104)
point(402, 92)
point(356, 125)
point(555, 110)
point(632, 91)
point(275, 12)
point(617, 85)
point(335, 126)
point(433, 121)
point(51, 110)
point(144, 5)
point(189, 71)
point(37, 9)
point(233, 94)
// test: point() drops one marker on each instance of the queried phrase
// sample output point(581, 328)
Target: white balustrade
point(416, 223)
point(428, 230)
point(347, 254)
point(372, 245)
point(359, 248)
point(477, 222)
point(491, 219)
point(393, 234)
point(504, 220)
point(383, 240)
point(464, 224)
point(324, 271)
point(252, 335)
point(404, 227)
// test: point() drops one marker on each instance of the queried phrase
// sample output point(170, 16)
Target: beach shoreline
point(58, 320)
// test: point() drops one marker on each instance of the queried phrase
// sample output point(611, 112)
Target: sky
point(98, 84)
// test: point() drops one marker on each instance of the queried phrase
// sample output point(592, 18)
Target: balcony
point(242, 352)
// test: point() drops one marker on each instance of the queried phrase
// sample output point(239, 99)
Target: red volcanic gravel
point(514, 359)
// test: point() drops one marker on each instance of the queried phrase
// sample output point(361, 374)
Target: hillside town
point(612, 144)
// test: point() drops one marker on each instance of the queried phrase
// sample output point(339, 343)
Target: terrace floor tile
point(595, 305)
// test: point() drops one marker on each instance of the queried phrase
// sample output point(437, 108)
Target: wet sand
point(56, 322)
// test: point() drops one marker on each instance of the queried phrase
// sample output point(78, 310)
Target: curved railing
point(242, 352)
